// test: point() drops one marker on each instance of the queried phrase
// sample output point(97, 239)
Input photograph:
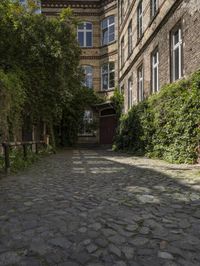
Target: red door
point(108, 126)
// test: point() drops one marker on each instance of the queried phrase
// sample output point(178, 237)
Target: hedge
point(166, 125)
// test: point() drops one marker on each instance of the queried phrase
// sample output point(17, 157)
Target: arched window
point(88, 73)
point(84, 34)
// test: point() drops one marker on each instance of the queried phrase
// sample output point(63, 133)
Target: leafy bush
point(166, 125)
point(17, 160)
point(118, 102)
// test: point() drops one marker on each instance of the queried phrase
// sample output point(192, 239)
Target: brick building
point(159, 43)
point(137, 45)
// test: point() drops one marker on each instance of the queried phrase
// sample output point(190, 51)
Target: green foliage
point(118, 102)
point(40, 58)
point(17, 161)
point(73, 117)
point(12, 98)
point(166, 125)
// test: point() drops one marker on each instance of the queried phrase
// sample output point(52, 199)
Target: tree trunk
point(52, 137)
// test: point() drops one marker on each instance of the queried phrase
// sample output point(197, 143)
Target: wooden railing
point(25, 144)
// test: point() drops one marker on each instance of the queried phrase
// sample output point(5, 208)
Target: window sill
point(129, 55)
point(106, 45)
point(109, 90)
point(139, 39)
point(177, 80)
point(89, 47)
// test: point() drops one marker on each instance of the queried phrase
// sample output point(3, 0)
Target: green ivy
point(166, 125)
point(118, 102)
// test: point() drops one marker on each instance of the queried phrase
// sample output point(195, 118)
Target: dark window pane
point(105, 81)
point(105, 37)
point(105, 69)
point(111, 20)
point(111, 37)
point(89, 26)
point(176, 62)
point(112, 80)
point(112, 66)
point(176, 37)
point(112, 29)
point(155, 58)
point(81, 38)
point(81, 26)
point(155, 80)
point(104, 24)
point(89, 39)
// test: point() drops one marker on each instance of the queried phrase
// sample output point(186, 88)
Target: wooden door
point(108, 126)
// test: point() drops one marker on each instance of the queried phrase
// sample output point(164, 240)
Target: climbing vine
point(166, 125)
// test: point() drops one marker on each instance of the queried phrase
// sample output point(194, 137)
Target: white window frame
point(175, 47)
point(107, 28)
point(130, 37)
point(130, 92)
point(122, 11)
point(122, 52)
point(155, 67)
point(140, 85)
point(108, 73)
point(154, 7)
point(90, 75)
point(85, 31)
point(140, 19)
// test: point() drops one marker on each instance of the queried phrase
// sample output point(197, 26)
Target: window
point(130, 92)
point(122, 11)
point(86, 125)
point(108, 76)
point(88, 73)
point(130, 38)
point(108, 30)
point(139, 20)
point(140, 90)
point(154, 7)
point(155, 71)
point(176, 61)
point(85, 34)
point(122, 51)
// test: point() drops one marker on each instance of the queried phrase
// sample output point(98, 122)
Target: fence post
point(7, 157)
point(36, 148)
point(25, 151)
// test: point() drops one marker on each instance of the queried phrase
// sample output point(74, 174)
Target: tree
point(43, 55)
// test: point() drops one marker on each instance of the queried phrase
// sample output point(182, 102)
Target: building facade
point(135, 45)
point(161, 45)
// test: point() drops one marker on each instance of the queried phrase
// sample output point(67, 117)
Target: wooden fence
point(6, 150)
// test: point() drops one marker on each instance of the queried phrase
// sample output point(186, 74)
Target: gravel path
point(99, 208)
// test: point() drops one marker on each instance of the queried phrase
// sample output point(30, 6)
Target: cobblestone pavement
point(96, 208)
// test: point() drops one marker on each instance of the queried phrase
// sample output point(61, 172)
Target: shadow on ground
point(95, 207)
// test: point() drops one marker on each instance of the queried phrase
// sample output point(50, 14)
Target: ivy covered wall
point(166, 125)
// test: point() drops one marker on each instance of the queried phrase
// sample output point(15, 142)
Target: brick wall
point(157, 34)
